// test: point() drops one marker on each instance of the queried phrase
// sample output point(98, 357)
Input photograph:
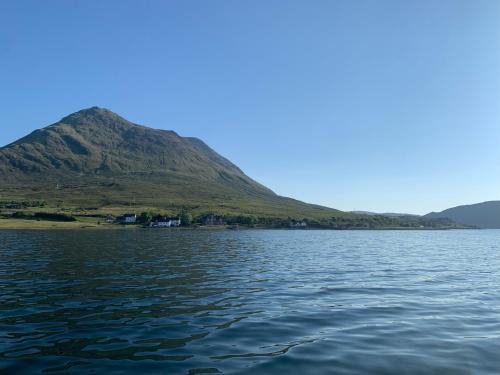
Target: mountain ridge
point(388, 214)
point(71, 138)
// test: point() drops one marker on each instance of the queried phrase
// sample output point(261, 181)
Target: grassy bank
point(12, 223)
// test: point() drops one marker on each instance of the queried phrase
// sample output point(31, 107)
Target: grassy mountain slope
point(482, 215)
point(96, 159)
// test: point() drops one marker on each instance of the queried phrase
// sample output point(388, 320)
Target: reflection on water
point(250, 302)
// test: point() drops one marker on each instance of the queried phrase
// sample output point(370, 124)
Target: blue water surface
point(250, 302)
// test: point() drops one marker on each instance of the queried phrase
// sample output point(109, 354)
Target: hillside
point(482, 215)
point(96, 160)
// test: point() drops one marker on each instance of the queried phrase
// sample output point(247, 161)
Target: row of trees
point(187, 219)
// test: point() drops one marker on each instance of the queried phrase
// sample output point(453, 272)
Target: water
point(250, 302)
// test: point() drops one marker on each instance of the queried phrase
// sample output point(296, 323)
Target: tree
point(145, 217)
point(186, 218)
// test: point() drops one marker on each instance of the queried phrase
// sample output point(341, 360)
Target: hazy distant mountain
point(388, 214)
point(482, 215)
point(95, 158)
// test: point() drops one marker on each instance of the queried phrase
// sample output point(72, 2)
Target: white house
point(298, 224)
point(129, 219)
point(175, 222)
point(165, 222)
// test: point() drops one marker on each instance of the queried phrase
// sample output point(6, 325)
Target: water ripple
point(250, 302)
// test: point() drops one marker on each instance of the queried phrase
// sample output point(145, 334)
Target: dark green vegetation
point(94, 163)
point(50, 216)
point(482, 215)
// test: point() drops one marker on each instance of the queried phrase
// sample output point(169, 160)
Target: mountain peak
point(96, 158)
point(93, 116)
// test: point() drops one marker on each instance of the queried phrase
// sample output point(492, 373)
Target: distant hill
point(96, 159)
point(388, 214)
point(482, 215)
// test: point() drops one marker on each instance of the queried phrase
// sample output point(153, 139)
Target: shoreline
point(23, 224)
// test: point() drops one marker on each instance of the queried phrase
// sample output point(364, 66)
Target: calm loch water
point(250, 302)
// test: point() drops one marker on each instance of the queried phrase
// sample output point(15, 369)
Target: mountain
point(95, 159)
point(93, 163)
point(482, 215)
point(388, 214)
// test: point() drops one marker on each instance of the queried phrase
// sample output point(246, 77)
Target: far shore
point(16, 224)
point(20, 224)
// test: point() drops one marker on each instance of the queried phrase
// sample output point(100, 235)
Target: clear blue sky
point(382, 105)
